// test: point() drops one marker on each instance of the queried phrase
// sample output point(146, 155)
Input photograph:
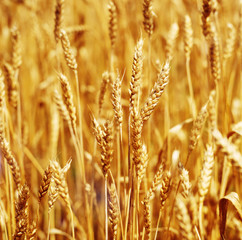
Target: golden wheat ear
point(68, 53)
point(135, 83)
point(16, 48)
point(59, 10)
point(22, 212)
point(183, 218)
point(45, 183)
point(113, 27)
point(155, 93)
point(13, 164)
point(148, 15)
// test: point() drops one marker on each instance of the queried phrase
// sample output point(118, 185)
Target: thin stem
point(157, 227)
point(149, 84)
point(225, 175)
point(80, 127)
point(19, 122)
point(192, 103)
point(118, 162)
point(200, 218)
point(106, 208)
point(48, 231)
point(72, 223)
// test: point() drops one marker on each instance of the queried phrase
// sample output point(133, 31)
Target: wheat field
point(120, 119)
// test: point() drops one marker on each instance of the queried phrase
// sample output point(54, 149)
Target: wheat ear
point(164, 192)
point(113, 210)
point(11, 161)
point(184, 178)
point(147, 218)
point(103, 89)
point(105, 141)
point(171, 39)
point(136, 76)
point(214, 55)
point(212, 111)
point(229, 149)
point(116, 101)
point(62, 109)
point(2, 94)
point(112, 22)
point(68, 99)
point(204, 181)
point(45, 183)
point(148, 15)
point(69, 56)
point(188, 43)
point(206, 17)
point(16, 48)
point(156, 93)
point(183, 218)
point(21, 209)
point(12, 85)
point(59, 10)
point(188, 36)
point(230, 42)
point(196, 129)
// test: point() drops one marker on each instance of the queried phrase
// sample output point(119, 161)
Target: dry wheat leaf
point(237, 128)
point(233, 198)
point(56, 231)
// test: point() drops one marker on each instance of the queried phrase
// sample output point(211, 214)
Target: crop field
point(120, 119)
